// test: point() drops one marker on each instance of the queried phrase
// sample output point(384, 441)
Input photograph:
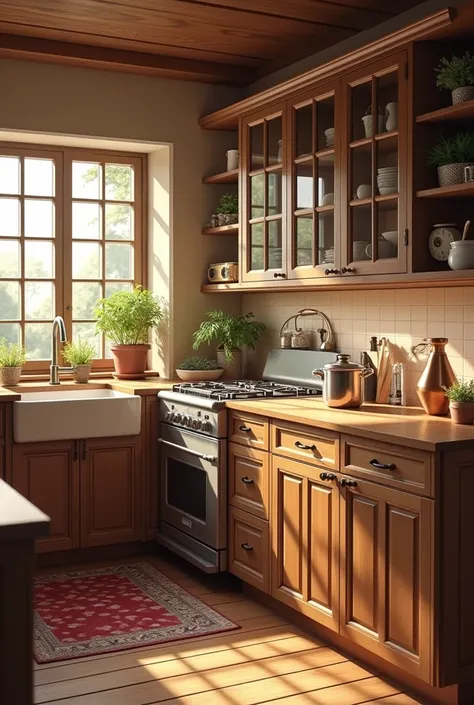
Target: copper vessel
point(437, 374)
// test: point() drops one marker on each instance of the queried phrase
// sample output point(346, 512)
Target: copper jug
point(437, 374)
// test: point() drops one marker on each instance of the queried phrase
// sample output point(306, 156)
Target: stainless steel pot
point(342, 382)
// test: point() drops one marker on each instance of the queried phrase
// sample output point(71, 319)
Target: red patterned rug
point(112, 609)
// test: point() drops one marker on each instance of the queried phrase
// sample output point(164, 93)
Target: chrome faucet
point(55, 369)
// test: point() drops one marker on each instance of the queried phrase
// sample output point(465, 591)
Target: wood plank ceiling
point(216, 41)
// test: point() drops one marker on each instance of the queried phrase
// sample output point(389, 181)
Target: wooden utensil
point(467, 225)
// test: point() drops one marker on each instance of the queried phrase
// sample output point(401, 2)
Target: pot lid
point(342, 364)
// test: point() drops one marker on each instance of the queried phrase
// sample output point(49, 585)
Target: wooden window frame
point(63, 158)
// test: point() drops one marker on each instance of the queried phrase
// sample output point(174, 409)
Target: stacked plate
point(329, 133)
point(329, 256)
point(387, 180)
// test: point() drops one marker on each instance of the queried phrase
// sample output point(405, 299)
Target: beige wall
point(58, 99)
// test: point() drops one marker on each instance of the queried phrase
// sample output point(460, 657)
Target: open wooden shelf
point(221, 230)
point(225, 286)
point(461, 111)
point(456, 191)
point(226, 177)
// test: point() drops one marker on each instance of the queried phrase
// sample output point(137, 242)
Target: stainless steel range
point(193, 458)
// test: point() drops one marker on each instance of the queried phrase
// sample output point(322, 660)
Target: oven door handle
point(204, 456)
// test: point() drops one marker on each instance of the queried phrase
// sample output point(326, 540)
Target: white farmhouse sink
point(71, 414)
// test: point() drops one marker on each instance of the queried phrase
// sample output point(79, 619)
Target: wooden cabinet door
point(386, 574)
point(305, 540)
point(111, 491)
point(47, 474)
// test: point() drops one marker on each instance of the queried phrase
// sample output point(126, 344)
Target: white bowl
point(391, 236)
point(387, 190)
point(364, 191)
point(387, 169)
point(329, 131)
point(327, 199)
point(199, 375)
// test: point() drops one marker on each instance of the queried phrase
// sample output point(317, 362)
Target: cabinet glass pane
point(361, 110)
point(361, 229)
point(274, 193)
point(256, 147)
point(257, 191)
point(326, 237)
point(387, 99)
point(387, 226)
point(275, 250)
point(304, 240)
point(304, 130)
point(274, 141)
point(325, 123)
point(256, 246)
point(387, 166)
point(304, 185)
point(325, 167)
point(361, 172)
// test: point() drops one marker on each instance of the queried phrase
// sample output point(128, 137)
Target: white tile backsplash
point(405, 316)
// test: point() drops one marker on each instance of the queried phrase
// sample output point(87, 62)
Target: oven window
point(187, 488)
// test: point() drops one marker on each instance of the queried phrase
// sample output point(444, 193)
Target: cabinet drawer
point(313, 445)
point(248, 479)
point(405, 468)
point(249, 429)
point(249, 554)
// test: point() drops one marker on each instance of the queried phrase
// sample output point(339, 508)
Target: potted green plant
point(126, 319)
point(457, 75)
point(451, 156)
point(80, 355)
point(230, 333)
point(12, 359)
point(199, 369)
point(228, 209)
point(461, 402)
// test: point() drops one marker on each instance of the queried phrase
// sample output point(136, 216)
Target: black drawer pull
point(246, 546)
point(382, 466)
point(348, 483)
point(327, 476)
point(246, 480)
point(245, 429)
point(303, 446)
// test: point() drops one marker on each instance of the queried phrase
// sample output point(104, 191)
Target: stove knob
point(207, 426)
point(169, 416)
point(197, 423)
point(187, 421)
point(178, 418)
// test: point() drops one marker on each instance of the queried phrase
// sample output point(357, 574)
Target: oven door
point(193, 485)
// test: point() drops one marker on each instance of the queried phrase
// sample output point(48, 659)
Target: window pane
point(118, 182)
point(118, 261)
point(86, 221)
point(86, 180)
point(9, 175)
point(9, 217)
point(118, 222)
point(39, 177)
point(39, 259)
point(112, 287)
point(38, 341)
point(86, 260)
point(10, 331)
point(39, 218)
point(84, 299)
point(10, 301)
point(9, 259)
point(39, 298)
point(87, 332)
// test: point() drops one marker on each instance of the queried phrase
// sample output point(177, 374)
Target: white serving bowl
point(327, 199)
point(387, 190)
point(391, 236)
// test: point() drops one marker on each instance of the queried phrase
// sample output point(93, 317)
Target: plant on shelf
point(199, 369)
point(457, 75)
point(12, 359)
point(80, 355)
point(461, 401)
point(126, 319)
point(227, 212)
point(230, 333)
point(451, 155)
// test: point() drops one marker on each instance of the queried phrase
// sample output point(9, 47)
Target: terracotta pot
point(199, 375)
point(82, 374)
point(233, 367)
point(9, 376)
point(130, 359)
point(437, 374)
point(462, 412)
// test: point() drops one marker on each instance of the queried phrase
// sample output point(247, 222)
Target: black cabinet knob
point(327, 476)
point(345, 482)
point(327, 272)
point(348, 270)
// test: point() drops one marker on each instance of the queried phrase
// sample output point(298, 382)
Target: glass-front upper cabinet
point(314, 183)
point(263, 164)
point(374, 169)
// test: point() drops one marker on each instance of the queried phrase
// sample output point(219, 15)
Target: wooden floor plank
point(399, 699)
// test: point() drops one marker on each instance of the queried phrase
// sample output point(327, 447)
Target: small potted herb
point(80, 355)
point(461, 401)
point(126, 319)
point(12, 359)
point(230, 333)
point(457, 75)
point(199, 369)
point(228, 209)
point(451, 155)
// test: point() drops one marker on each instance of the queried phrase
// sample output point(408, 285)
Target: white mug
point(232, 159)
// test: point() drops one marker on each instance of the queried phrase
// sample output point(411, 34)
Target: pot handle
point(318, 373)
point(366, 372)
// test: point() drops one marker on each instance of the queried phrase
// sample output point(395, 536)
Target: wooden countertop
point(409, 426)
point(144, 387)
point(19, 519)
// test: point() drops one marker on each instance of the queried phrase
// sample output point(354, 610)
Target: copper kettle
point(437, 374)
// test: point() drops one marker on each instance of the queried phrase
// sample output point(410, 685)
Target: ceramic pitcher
point(391, 114)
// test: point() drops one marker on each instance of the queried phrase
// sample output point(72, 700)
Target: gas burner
point(243, 389)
